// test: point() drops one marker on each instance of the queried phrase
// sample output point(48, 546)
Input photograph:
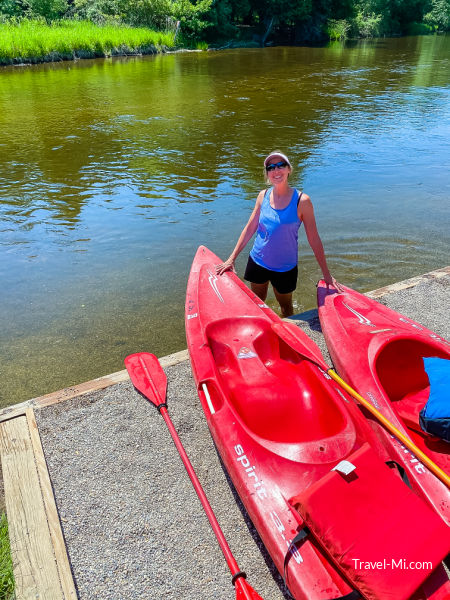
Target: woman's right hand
point(228, 265)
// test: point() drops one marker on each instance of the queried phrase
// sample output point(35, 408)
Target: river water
point(114, 171)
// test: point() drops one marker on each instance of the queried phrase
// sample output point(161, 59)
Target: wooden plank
point(409, 283)
point(80, 390)
point(56, 534)
point(100, 383)
point(35, 571)
point(16, 410)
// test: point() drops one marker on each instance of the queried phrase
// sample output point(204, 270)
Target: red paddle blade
point(147, 376)
point(300, 342)
point(244, 591)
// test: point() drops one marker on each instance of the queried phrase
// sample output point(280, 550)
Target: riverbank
point(131, 521)
point(28, 41)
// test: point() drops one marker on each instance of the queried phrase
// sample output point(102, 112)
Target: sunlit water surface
point(114, 171)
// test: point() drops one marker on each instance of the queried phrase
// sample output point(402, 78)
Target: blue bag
point(435, 416)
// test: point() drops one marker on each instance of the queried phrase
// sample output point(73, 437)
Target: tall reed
point(36, 41)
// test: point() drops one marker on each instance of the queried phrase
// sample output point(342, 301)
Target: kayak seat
point(409, 407)
point(374, 527)
point(399, 367)
point(278, 396)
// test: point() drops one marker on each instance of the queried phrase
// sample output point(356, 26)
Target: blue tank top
point(276, 242)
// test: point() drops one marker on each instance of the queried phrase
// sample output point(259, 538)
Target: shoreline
point(85, 54)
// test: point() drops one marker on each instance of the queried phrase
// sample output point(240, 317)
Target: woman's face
point(277, 170)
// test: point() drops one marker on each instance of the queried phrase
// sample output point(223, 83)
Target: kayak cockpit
point(400, 371)
point(279, 396)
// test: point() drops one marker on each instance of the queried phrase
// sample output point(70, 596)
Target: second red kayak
point(380, 352)
point(338, 522)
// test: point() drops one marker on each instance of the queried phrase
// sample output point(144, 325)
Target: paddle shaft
point(232, 564)
point(398, 434)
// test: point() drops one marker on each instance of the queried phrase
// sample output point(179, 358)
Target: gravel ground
point(133, 525)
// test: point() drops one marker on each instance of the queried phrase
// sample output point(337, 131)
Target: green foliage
point(338, 30)
point(49, 9)
point(163, 14)
point(439, 16)
point(192, 16)
point(244, 21)
point(6, 567)
point(97, 11)
point(14, 8)
point(222, 20)
point(148, 13)
point(368, 25)
point(418, 29)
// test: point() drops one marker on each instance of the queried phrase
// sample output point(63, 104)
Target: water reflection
point(113, 171)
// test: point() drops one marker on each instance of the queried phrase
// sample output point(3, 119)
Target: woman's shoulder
point(303, 197)
point(304, 206)
point(262, 195)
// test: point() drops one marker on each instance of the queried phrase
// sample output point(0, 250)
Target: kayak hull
point(279, 424)
point(379, 352)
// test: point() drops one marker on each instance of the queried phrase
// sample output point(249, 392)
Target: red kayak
point(337, 521)
point(380, 353)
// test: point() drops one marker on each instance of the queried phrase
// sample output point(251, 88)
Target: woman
point(279, 211)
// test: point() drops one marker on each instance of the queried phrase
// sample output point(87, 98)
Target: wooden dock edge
point(409, 283)
point(83, 388)
point(40, 560)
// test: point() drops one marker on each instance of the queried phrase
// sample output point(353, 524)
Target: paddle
point(309, 350)
point(149, 378)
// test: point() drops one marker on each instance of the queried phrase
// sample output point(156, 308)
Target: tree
point(439, 15)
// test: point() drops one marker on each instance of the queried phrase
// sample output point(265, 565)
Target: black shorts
point(284, 282)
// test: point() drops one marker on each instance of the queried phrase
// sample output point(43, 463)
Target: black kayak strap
point(401, 470)
point(301, 537)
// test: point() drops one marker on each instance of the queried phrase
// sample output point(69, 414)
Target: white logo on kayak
point(213, 283)
point(415, 462)
point(251, 472)
point(361, 318)
point(415, 325)
point(192, 316)
point(292, 548)
point(342, 395)
point(373, 400)
point(434, 336)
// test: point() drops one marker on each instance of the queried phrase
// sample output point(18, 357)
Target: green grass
point(6, 568)
point(35, 41)
point(337, 30)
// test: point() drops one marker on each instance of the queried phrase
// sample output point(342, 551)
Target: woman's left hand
point(332, 281)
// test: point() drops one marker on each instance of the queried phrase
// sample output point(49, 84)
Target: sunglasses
point(279, 165)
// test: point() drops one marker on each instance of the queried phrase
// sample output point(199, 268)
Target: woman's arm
point(306, 214)
point(246, 235)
